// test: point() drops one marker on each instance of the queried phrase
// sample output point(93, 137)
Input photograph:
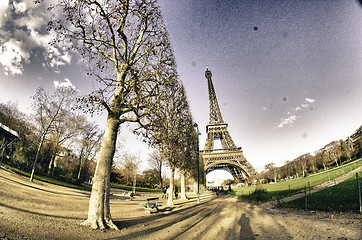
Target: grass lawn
point(339, 198)
point(81, 187)
point(285, 188)
point(48, 179)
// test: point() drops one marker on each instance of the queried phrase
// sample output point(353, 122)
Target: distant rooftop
point(8, 130)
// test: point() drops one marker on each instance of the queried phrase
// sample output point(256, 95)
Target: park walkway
point(38, 210)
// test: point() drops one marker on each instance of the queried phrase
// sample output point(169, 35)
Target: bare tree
point(302, 161)
point(271, 170)
point(89, 142)
point(130, 165)
point(48, 110)
point(65, 130)
point(126, 45)
point(345, 150)
point(157, 164)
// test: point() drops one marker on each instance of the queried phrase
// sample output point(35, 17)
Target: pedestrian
point(176, 191)
point(164, 193)
point(217, 192)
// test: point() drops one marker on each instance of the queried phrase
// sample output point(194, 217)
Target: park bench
point(151, 205)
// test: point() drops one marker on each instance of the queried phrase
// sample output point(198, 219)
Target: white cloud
point(12, 56)
point(24, 31)
point(19, 7)
point(4, 11)
point(66, 84)
point(304, 105)
point(310, 100)
point(288, 121)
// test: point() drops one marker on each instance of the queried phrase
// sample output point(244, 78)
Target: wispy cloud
point(288, 121)
point(291, 116)
point(310, 100)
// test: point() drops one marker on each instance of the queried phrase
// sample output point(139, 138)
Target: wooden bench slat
point(152, 198)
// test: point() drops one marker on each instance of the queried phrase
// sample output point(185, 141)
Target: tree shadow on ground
point(164, 212)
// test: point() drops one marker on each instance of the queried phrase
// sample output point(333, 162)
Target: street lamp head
point(195, 125)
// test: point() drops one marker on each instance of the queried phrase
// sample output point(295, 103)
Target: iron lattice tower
point(230, 157)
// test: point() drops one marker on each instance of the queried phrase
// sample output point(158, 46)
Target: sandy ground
point(43, 211)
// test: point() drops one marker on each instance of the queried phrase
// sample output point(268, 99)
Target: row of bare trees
point(333, 154)
point(127, 48)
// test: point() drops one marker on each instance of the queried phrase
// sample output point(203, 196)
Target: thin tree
point(64, 132)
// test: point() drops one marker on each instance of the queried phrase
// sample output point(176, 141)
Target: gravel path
point(43, 211)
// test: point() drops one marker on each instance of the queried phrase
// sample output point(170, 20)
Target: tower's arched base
point(230, 160)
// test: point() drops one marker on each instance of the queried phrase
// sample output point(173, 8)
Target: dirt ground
point(44, 211)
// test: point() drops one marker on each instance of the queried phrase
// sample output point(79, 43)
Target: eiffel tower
point(230, 157)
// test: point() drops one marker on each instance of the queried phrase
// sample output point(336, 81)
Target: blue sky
point(287, 74)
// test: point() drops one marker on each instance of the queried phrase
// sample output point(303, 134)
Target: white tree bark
point(183, 186)
point(171, 188)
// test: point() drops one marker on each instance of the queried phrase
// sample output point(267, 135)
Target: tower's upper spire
point(214, 110)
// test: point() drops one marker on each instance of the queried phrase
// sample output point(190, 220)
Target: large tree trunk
point(99, 211)
point(171, 188)
point(183, 186)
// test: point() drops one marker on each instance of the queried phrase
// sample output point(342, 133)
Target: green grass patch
point(81, 187)
point(48, 179)
point(286, 188)
point(338, 198)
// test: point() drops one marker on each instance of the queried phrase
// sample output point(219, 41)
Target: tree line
point(333, 154)
point(127, 49)
point(71, 146)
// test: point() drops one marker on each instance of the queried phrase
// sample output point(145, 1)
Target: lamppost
point(198, 164)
